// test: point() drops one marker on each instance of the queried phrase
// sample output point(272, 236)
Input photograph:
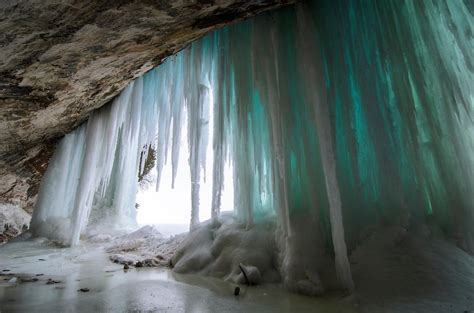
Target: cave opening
point(168, 208)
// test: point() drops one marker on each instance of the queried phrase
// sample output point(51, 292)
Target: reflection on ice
point(113, 290)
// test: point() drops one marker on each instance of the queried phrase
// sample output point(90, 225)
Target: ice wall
point(336, 115)
point(92, 178)
point(405, 142)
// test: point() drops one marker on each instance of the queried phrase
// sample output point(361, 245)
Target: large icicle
point(164, 120)
point(219, 156)
point(198, 121)
point(178, 113)
point(309, 51)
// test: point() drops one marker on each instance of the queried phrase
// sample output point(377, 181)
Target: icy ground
point(111, 289)
point(395, 269)
point(415, 270)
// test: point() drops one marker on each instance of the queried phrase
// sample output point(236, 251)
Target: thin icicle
point(177, 115)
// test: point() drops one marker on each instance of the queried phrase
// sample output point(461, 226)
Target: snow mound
point(146, 232)
point(13, 221)
point(222, 249)
point(144, 247)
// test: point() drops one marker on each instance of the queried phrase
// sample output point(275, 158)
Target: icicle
point(205, 93)
point(88, 178)
point(178, 120)
point(313, 77)
point(219, 162)
point(164, 122)
point(198, 121)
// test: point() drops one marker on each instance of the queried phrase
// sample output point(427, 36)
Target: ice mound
point(13, 221)
point(221, 249)
point(146, 232)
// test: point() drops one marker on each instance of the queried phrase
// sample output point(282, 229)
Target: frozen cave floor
point(38, 276)
point(395, 269)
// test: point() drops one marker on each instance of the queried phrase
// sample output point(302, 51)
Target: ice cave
point(237, 156)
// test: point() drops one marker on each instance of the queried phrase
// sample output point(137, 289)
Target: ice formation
point(335, 115)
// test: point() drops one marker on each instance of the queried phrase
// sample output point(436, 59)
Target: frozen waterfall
point(335, 115)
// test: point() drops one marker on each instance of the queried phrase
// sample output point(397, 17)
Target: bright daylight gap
point(170, 208)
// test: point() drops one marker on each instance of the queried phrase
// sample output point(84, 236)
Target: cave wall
point(60, 60)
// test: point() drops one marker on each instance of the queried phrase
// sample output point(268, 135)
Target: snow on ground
point(144, 247)
point(13, 221)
